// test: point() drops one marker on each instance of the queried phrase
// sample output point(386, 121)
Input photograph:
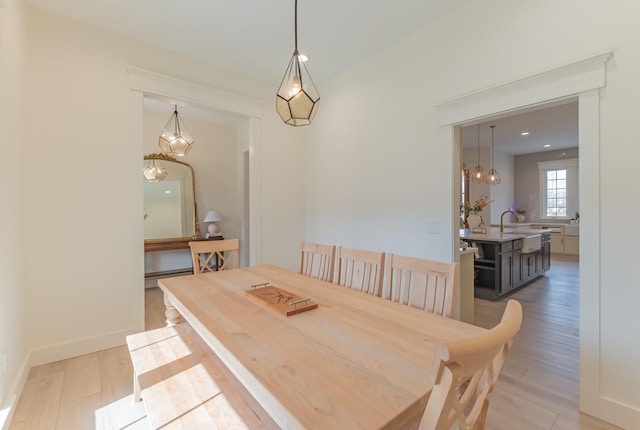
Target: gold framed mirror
point(170, 209)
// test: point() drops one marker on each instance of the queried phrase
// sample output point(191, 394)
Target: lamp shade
point(154, 172)
point(297, 100)
point(175, 139)
point(212, 216)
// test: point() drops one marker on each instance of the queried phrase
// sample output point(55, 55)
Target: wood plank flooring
point(538, 387)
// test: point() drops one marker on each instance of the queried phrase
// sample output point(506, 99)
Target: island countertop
point(493, 234)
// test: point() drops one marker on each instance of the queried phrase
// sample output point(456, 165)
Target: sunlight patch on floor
point(122, 414)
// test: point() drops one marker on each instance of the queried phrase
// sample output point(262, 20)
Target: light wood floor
point(538, 388)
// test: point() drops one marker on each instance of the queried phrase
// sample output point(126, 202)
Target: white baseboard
point(51, 353)
point(15, 390)
point(82, 346)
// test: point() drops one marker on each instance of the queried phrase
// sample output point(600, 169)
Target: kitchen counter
point(493, 234)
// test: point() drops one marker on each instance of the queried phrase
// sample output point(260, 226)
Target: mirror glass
point(169, 205)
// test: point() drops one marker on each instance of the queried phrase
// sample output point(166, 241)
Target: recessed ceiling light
point(168, 192)
point(524, 133)
point(547, 146)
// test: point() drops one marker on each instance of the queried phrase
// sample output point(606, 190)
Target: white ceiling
point(256, 37)
point(554, 124)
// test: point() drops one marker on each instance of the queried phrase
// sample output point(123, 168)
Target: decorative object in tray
point(280, 300)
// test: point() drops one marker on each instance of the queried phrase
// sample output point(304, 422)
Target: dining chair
point(316, 260)
point(465, 374)
point(213, 255)
point(425, 284)
point(358, 269)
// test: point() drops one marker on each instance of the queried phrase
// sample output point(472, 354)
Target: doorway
point(581, 79)
point(514, 146)
point(146, 84)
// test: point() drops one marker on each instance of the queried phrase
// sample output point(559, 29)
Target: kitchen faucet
point(502, 216)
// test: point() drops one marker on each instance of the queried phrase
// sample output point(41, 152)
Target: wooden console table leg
point(172, 315)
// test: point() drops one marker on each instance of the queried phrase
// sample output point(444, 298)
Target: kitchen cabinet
point(557, 243)
point(511, 265)
point(501, 266)
point(546, 251)
point(572, 245)
point(565, 239)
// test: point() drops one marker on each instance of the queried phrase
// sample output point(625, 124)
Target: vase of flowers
point(473, 212)
point(520, 211)
point(474, 220)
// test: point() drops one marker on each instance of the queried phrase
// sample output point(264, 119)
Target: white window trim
point(571, 165)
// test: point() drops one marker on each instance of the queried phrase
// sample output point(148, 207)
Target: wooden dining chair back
point(465, 374)
point(316, 260)
point(360, 270)
point(425, 284)
point(214, 255)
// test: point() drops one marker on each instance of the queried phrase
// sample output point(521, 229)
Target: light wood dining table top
point(357, 361)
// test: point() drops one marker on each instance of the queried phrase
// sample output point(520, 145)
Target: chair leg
point(480, 423)
point(137, 396)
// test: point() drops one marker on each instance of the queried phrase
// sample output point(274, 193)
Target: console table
point(173, 243)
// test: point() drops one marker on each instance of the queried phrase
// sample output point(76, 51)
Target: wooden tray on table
point(280, 300)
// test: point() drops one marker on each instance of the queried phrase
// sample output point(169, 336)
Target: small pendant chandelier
point(154, 171)
point(297, 99)
point(492, 177)
point(175, 140)
point(478, 172)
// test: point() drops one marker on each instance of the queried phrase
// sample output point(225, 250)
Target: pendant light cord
point(478, 144)
point(295, 26)
point(177, 126)
point(492, 126)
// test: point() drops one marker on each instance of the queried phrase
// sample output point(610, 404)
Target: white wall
point(84, 169)
point(13, 231)
point(374, 167)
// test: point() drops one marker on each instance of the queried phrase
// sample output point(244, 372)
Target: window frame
point(571, 167)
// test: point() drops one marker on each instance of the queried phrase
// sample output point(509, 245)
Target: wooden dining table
point(355, 362)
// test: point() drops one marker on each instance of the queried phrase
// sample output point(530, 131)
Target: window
point(557, 193)
point(558, 188)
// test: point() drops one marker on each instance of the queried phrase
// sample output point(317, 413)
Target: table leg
point(171, 313)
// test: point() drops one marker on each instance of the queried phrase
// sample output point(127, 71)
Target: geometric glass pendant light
point(175, 139)
point(154, 171)
point(492, 177)
point(478, 172)
point(297, 99)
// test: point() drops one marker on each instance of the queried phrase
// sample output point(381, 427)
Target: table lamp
point(212, 217)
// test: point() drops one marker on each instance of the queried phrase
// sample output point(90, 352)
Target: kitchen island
point(509, 260)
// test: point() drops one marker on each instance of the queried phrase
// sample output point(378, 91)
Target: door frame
point(582, 79)
point(144, 83)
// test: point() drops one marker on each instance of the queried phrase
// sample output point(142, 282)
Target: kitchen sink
point(531, 243)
